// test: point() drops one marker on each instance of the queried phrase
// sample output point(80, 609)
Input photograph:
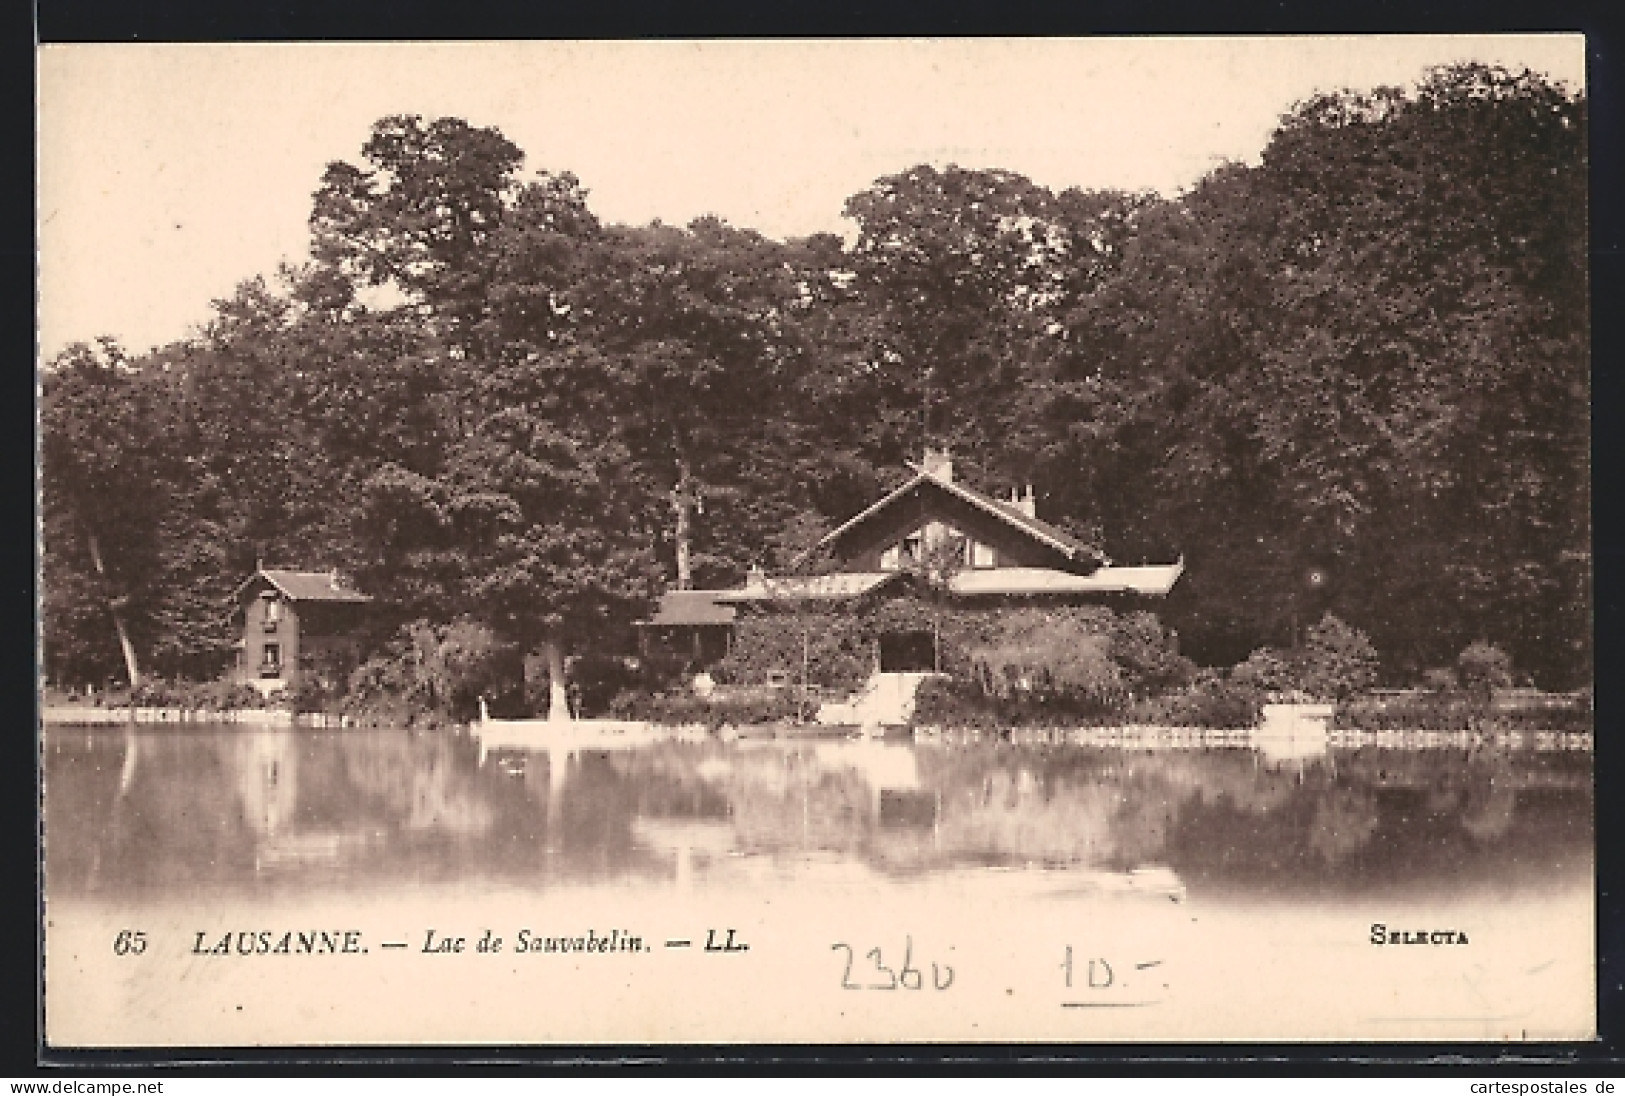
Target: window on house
point(271, 661)
point(889, 559)
point(913, 547)
point(982, 556)
point(273, 611)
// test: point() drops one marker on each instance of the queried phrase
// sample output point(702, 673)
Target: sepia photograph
point(863, 541)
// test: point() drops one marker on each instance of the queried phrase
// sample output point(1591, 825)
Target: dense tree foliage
point(1351, 379)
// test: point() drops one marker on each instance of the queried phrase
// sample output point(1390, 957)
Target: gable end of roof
point(304, 586)
point(1038, 529)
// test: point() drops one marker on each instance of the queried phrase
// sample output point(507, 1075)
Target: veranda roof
point(697, 607)
point(1152, 580)
point(690, 608)
point(809, 587)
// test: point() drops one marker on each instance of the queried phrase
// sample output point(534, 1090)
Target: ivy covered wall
point(1088, 648)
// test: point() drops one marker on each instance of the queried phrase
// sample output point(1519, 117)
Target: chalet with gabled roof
point(297, 625)
point(981, 550)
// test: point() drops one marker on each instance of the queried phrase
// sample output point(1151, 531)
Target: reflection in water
point(707, 840)
point(1489, 811)
point(131, 810)
point(1344, 821)
point(266, 765)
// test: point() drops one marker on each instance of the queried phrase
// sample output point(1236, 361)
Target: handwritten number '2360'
point(910, 977)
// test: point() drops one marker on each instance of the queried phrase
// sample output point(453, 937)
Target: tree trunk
point(124, 643)
point(558, 698)
point(682, 500)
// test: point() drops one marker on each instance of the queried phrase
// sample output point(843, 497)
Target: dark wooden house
point(297, 625)
point(983, 550)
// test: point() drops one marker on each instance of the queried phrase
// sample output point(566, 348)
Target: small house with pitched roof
point(297, 625)
point(980, 551)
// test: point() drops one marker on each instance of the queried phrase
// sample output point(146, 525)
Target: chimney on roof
point(1028, 503)
point(938, 463)
point(755, 578)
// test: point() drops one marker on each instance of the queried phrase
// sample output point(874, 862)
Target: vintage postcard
point(1065, 541)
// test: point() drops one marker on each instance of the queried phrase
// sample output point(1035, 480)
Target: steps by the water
point(886, 700)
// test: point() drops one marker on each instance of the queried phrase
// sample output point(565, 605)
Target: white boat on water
point(572, 734)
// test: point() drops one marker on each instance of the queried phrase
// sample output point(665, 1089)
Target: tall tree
point(694, 331)
point(102, 478)
point(420, 214)
point(963, 266)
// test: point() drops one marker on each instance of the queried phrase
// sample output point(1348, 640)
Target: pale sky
point(170, 173)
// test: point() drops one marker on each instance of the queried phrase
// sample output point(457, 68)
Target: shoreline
point(89, 715)
point(1124, 736)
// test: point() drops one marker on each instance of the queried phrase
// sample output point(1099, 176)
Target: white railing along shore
point(90, 715)
point(1131, 736)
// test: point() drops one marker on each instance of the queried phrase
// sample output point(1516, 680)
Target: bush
point(1050, 662)
point(157, 693)
point(1266, 670)
point(1428, 712)
point(953, 702)
point(433, 674)
point(1337, 660)
point(1484, 668)
point(1212, 702)
point(1440, 680)
point(682, 709)
point(1459, 712)
point(950, 702)
point(213, 696)
point(1148, 656)
point(314, 695)
point(596, 680)
point(231, 696)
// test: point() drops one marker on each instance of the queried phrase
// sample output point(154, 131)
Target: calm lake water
point(1257, 879)
point(200, 808)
